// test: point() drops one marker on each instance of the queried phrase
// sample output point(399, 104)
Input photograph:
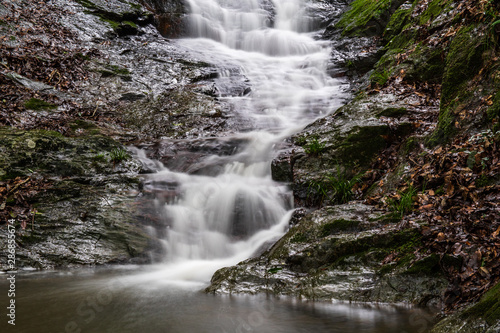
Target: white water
point(219, 221)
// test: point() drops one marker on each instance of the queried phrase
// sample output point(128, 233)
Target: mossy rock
point(367, 18)
point(482, 317)
point(463, 61)
point(123, 17)
point(50, 153)
point(487, 308)
point(337, 226)
point(38, 104)
point(392, 112)
point(362, 143)
point(398, 21)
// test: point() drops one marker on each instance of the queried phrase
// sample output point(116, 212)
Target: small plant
point(336, 187)
point(100, 158)
point(314, 147)
point(405, 202)
point(117, 155)
point(300, 140)
point(341, 185)
point(380, 78)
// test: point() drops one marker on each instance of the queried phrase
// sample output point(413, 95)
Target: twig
point(18, 185)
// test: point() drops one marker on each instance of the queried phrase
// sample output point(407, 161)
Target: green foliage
point(314, 147)
point(404, 204)
point(337, 188)
point(493, 111)
point(300, 141)
point(380, 78)
point(117, 155)
point(101, 157)
point(38, 104)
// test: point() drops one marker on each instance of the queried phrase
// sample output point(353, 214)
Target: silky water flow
point(219, 220)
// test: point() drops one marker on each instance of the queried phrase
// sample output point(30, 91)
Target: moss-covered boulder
point(349, 139)
point(367, 18)
point(23, 153)
point(337, 253)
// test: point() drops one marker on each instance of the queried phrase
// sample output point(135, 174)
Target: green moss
point(434, 9)
point(87, 4)
point(82, 124)
point(299, 237)
point(392, 112)
point(427, 266)
point(446, 128)
point(38, 104)
point(487, 308)
point(403, 40)
point(363, 143)
point(135, 6)
point(338, 226)
point(118, 70)
point(365, 17)
point(427, 64)
point(398, 21)
point(115, 25)
point(115, 70)
point(392, 217)
point(130, 23)
point(410, 144)
point(463, 61)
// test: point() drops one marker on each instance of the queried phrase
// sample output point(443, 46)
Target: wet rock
point(123, 17)
point(169, 16)
point(86, 217)
point(335, 253)
point(348, 139)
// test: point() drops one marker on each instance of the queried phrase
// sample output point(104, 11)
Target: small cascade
point(219, 220)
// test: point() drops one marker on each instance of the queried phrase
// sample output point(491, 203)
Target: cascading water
point(215, 221)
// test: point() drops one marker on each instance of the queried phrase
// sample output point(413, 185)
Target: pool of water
point(125, 300)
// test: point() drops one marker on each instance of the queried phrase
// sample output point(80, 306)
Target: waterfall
point(216, 221)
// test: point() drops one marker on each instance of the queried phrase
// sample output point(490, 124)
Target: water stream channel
point(230, 209)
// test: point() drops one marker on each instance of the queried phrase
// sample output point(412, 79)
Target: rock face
point(335, 253)
point(138, 87)
point(350, 138)
point(85, 216)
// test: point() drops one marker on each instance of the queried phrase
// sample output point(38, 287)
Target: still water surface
point(128, 300)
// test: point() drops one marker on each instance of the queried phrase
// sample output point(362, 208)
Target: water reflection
point(110, 301)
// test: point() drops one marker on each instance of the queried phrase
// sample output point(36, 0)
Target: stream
point(230, 208)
